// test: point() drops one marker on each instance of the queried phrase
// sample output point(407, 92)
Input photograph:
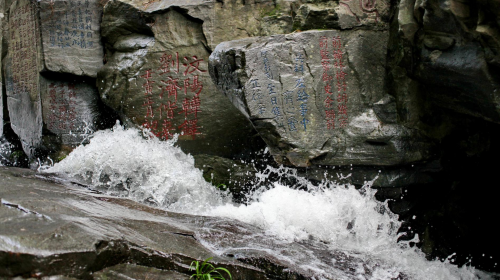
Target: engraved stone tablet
point(71, 36)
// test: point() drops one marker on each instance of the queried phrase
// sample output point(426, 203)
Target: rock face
point(2, 18)
point(22, 67)
point(318, 97)
point(48, 104)
point(458, 45)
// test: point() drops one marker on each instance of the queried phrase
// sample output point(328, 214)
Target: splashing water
point(129, 163)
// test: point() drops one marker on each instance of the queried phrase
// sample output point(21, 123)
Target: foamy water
point(128, 163)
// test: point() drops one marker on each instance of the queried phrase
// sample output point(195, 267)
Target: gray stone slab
point(317, 97)
point(71, 36)
point(137, 272)
point(50, 229)
point(69, 109)
point(2, 22)
point(22, 66)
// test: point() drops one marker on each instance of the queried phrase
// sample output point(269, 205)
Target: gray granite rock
point(452, 49)
point(71, 36)
point(318, 97)
point(2, 23)
point(374, 14)
point(22, 67)
point(137, 272)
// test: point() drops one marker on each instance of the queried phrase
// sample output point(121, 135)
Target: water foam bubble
point(129, 163)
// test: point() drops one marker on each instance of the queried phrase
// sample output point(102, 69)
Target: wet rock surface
point(71, 36)
point(50, 229)
point(457, 48)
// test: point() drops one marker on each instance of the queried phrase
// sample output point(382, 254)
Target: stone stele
point(317, 97)
point(22, 67)
point(71, 36)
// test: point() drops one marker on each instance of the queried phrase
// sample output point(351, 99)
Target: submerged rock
point(318, 97)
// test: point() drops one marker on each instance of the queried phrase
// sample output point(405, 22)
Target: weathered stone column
point(2, 22)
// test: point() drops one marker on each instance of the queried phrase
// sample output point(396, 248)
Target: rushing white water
point(128, 163)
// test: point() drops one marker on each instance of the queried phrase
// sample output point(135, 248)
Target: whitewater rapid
point(131, 163)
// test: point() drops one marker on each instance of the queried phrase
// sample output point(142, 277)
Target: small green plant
point(207, 271)
point(221, 186)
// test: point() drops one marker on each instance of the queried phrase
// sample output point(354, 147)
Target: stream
point(328, 231)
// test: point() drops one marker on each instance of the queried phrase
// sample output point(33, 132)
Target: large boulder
point(54, 50)
point(318, 97)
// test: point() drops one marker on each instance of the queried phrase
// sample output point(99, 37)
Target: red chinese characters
point(62, 113)
point(336, 113)
point(177, 96)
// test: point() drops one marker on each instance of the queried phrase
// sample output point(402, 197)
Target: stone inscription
point(71, 36)
point(61, 109)
point(364, 12)
point(23, 33)
point(336, 114)
point(73, 27)
point(69, 109)
point(172, 92)
point(288, 106)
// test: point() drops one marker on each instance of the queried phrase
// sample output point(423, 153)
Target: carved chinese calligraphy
point(22, 74)
point(177, 93)
point(335, 106)
point(71, 36)
point(37, 103)
point(311, 94)
point(69, 109)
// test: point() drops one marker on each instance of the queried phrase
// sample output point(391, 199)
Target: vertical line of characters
point(336, 114)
